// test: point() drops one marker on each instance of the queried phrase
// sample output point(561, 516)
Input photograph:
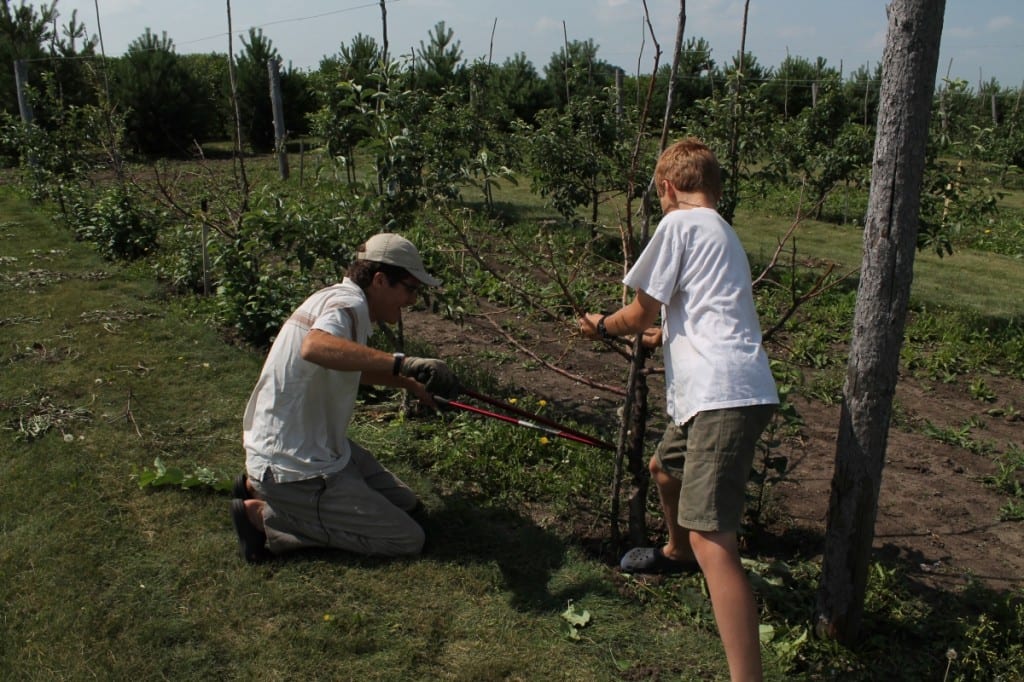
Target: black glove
point(433, 374)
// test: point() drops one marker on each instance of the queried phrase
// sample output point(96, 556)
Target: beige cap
point(394, 249)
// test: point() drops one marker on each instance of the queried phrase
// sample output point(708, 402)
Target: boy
point(720, 390)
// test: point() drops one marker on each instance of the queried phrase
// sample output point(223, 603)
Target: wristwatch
point(397, 367)
point(601, 329)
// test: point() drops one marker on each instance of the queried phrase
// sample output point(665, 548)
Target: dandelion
point(950, 657)
point(328, 618)
point(543, 403)
point(69, 438)
point(544, 440)
point(513, 401)
point(206, 365)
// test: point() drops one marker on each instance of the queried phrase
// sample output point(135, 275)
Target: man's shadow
point(466, 530)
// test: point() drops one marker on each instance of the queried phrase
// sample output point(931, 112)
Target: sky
point(981, 39)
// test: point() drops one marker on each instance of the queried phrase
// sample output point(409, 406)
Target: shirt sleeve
point(339, 321)
point(657, 270)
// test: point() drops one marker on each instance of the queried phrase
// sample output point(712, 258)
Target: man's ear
point(379, 279)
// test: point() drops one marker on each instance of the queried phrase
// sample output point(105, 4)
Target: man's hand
point(432, 373)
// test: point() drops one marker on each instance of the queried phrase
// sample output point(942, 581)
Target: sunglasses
point(411, 287)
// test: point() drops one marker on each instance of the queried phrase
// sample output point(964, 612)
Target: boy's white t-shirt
point(296, 421)
point(697, 269)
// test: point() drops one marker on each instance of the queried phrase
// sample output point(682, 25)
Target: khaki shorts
point(711, 455)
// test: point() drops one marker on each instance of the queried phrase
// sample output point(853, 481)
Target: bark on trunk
point(890, 240)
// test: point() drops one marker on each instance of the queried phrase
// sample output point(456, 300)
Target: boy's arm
point(635, 318)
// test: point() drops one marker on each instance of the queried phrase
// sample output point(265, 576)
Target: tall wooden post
point(619, 108)
point(273, 68)
point(21, 82)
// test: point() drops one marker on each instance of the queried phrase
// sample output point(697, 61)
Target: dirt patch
point(936, 515)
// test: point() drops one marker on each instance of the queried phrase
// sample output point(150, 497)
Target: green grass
point(985, 283)
point(100, 578)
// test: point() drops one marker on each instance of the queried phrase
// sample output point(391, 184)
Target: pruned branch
point(548, 365)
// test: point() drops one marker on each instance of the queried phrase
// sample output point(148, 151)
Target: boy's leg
point(719, 451)
point(678, 545)
point(732, 601)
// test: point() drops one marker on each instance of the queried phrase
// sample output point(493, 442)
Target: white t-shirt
point(697, 269)
point(296, 422)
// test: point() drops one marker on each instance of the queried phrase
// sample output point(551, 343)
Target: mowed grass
point(100, 579)
point(987, 284)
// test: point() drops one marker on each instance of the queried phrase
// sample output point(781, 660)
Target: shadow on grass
point(467, 530)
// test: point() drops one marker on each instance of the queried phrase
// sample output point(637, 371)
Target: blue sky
point(982, 39)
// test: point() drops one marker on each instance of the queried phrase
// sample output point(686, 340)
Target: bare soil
point(937, 518)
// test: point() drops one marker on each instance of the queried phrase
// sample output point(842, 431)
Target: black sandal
point(651, 560)
point(252, 542)
point(239, 490)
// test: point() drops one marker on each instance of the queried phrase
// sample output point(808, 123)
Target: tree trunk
point(633, 427)
point(640, 476)
point(890, 239)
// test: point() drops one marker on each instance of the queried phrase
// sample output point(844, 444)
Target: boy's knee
point(709, 546)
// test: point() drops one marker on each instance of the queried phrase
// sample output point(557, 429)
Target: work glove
point(433, 374)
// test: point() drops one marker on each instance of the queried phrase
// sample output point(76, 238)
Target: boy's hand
point(588, 325)
point(652, 337)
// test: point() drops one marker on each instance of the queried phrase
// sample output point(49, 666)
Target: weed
point(1009, 413)
point(1008, 480)
point(37, 416)
point(980, 391)
point(827, 387)
point(958, 437)
point(162, 475)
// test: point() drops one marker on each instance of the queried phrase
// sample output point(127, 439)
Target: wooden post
point(21, 81)
point(273, 68)
point(867, 92)
point(565, 42)
point(619, 108)
point(785, 92)
point(244, 179)
point(203, 206)
point(384, 33)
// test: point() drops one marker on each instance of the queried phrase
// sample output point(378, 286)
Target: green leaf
point(576, 619)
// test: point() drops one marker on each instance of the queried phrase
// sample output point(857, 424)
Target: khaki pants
point(363, 509)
